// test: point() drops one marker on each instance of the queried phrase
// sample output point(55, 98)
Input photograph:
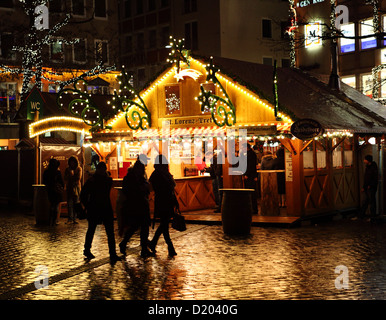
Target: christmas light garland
point(136, 113)
point(224, 110)
point(83, 99)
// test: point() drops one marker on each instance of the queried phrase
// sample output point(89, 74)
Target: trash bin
point(41, 204)
point(236, 211)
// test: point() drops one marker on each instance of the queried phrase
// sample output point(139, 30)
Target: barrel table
point(236, 211)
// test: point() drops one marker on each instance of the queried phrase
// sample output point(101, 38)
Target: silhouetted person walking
point(72, 177)
point(164, 203)
point(370, 186)
point(53, 180)
point(136, 212)
point(95, 196)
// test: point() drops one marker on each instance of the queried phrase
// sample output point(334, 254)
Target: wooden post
point(37, 155)
point(295, 200)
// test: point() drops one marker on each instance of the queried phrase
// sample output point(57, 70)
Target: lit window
point(383, 84)
point(313, 34)
point(367, 29)
point(347, 45)
point(367, 85)
point(349, 80)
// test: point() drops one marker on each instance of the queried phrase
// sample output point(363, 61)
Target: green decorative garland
point(209, 100)
point(126, 104)
point(83, 99)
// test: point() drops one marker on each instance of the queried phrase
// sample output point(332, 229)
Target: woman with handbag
point(164, 202)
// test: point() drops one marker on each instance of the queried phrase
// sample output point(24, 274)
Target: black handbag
point(80, 211)
point(178, 222)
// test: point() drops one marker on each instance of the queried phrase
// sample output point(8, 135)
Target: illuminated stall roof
point(303, 95)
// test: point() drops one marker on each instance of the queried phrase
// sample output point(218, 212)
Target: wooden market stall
point(322, 172)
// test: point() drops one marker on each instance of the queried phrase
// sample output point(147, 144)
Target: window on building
point(313, 34)
point(129, 44)
point(267, 61)
point(8, 95)
point(57, 51)
point(383, 84)
point(6, 4)
point(151, 5)
point(164, 3)
point(100, 7)
point(77, 7)
point(55, 6)
point(347, 44)
point(367, 28)
point(101, 51)
point(285, 63)
point(80, 51)
point(190, 6)
point(165, 34)
point(349, 80)
point(127, 8)
point(139, 7)
point(140, 42)
point(367, 85)
point(267, 28)
point(191, 36)
point(152, 39)
point(384, 28)
point(6, 45)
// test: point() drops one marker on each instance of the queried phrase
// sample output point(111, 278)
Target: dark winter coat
point(251, 164)
point(95, 196)
point(53, 180)
point(371, 176)
point(136, 189)
point(164, 197)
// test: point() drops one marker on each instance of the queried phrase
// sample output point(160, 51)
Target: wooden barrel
point(41, 204)
point(236, 211)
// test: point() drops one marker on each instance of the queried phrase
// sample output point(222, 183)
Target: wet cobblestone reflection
point(271, 263)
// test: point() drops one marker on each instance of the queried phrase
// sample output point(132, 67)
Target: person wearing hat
point(95, 196)
point(370, 186)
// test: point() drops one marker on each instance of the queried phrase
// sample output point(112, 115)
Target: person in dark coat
point(72, 179)
point(279, 164)
point(164, 201)
point(95, 196)
point(53, 180)
point(370, 186)
point(212, 170)
point(136, 213)
point(250, 176)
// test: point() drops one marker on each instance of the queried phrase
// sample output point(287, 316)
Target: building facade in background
point(248, 30)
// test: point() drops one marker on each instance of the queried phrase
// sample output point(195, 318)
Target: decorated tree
point(32, 39)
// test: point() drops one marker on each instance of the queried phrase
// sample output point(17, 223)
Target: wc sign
point(35, 104)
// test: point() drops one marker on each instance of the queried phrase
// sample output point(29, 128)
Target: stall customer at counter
point(279, 164)
point(164, 201)
point(250, 176)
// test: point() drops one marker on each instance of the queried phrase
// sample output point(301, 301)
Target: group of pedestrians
point(56, 186)
point(94, 197)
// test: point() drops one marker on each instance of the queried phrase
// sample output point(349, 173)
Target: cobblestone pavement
point(271, 263)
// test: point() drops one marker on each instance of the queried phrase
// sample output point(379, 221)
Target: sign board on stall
point(261, 130)
point(35, 104)
point(306, 129)
point(193, 121)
